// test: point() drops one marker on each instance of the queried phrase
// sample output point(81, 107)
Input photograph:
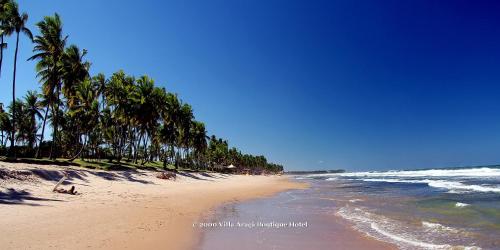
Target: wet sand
point(322, 231)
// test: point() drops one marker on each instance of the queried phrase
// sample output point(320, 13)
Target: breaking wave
point(385, 229)
point(465, 172)
point(452, 186)
point(478, 179)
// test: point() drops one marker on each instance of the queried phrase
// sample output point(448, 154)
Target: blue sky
point(359, 85)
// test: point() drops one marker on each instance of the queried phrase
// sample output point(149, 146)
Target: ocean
point(455, 208)
point(427, 209)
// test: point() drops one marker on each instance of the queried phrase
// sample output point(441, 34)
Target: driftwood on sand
point(62, 190)
point(166, 176)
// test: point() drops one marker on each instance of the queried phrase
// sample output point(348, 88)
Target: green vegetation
point(100, 121)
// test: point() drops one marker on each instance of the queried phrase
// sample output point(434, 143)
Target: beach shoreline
point(287, 220)
point(116, 209)
point(133, 209)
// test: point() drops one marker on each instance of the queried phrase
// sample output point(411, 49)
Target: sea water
point(455, 208)
point(412, 209)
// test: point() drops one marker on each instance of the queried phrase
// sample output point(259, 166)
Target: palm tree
point(99, 82)
point(6, 29)
point(16, 111)
point(85, 110)
point(4, 126)
point(33, 108)
point(169, 133)
point(49, 49)
point(148, 109)
point(198, 139)
point(132, 112)
point(44, 102)
point(18, 22)
point(74, 71)
point(121, 99)
point(184, 125)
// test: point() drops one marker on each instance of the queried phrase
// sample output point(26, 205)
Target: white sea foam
point(416, 243)
point(452, 186)
point(385, 229)
point(355, 200)
point(437, 227)
point(458, 186)
point(369, 223)
point(332, 179)
point(460, 204)
point(391, 180)
point(465, 172)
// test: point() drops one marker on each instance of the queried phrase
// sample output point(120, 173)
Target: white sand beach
point(115, 209)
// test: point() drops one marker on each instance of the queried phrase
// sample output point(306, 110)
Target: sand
point(115, 210)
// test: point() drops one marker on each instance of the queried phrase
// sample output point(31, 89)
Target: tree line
point(94, 117)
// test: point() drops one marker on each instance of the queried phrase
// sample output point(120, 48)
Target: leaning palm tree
point(49, 49)
point(18, 22)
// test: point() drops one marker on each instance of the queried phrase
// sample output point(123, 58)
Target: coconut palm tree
point(198, 139)
point(4, 126)
point(5, 27)
point(49, 50)
point(85, 109)
point(169, 132)
point(33, 109)
point(148, 110)
point(16, 111)
point(184, 125)
point(44, 103)
point(120, 114)
point(99, 82)
point(74, 71)
point(18, 22)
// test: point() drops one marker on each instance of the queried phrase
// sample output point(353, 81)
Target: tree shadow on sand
point(189, 175)
point(219, 176)
point(20, 197)
point(128, 175)
point(56, 175)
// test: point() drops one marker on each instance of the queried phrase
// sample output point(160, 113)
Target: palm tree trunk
point(32, 143)
point(43, 131)
point(53, 131)
point(144, 157)
point(80, 151)
point(55, 115)
point(172, 154)
point(12, 146)
point(1, 53)
point(137, 148)
point(6, 139)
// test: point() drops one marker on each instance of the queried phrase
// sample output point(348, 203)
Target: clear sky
point(357, 85)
